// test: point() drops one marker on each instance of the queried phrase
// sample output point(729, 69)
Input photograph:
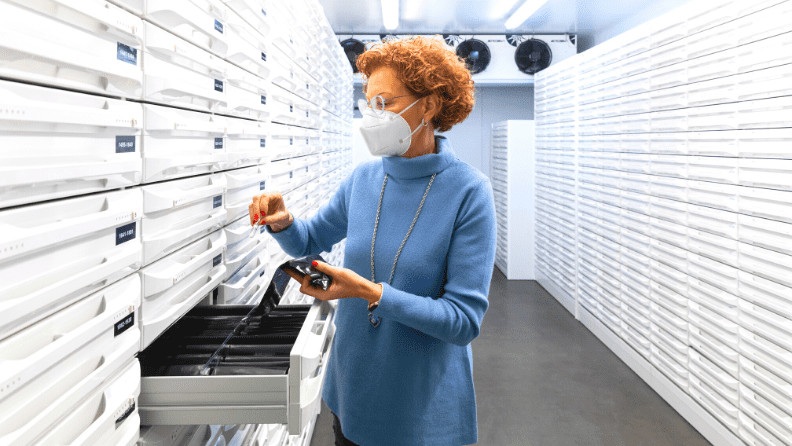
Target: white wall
point(471, 138)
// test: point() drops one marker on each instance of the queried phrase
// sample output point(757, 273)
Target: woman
point(420, 230)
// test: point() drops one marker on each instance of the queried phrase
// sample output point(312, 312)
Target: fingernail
point(263, 222)
point(315, 263)
point(255, 217)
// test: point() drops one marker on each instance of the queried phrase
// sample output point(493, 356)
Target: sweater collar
point(420, 166)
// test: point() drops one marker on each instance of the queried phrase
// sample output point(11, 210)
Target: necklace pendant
point(375, 320)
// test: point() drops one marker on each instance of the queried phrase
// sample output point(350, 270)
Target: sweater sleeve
point(457, 315)
point(320, 232)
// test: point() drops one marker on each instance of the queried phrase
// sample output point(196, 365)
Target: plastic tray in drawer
point(247, 94)
point(88, 46)
point(765, 412)
point(97, 149)
point(50, 366)
point(181, 74)
point(291, 396)
point(176, 283)
point(179, 212)
point(766, 323)
point(90, 243)
point(766, 293)
point(769, 386)
point(248, 284)
point(190, 435)
point(202, 23)
point(725, 385)
point(179, 143)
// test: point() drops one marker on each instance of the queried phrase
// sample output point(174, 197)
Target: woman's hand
point(270, 209)
point(346, 283)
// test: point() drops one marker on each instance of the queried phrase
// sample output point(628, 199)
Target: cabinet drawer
point(771, 174)
point(766, 413)
point(247, 48)
point(179, 212)
point(673, 370)
point(241, 186)
point(766, 294)
point(719, 196)
point(179, 143)
point(181, 74)
point(669, 299)
point(769, 325)
point(279, 393)
point(673, 188)
point(715, 299)
point(770, 387)
point(764, 143)
point(176, 283)
point(247, 94)
point(283, 108)
point(92, 244)
point(714, 143)
point(766, 353)
point(88, 46)
point(247, 285)
point(715, 221)
point(766, 203)
point(202, 23)
point(724, 386)
point(53, 364)
point(74, 144)
point(713, 246)
point(762, 262)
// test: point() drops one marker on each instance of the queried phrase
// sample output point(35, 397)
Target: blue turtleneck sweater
point(408, 381)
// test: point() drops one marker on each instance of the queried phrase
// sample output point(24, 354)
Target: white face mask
point(386, 134)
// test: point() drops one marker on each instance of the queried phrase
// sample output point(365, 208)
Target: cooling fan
point(533, 56)
point(353, 48)
point(476, 55)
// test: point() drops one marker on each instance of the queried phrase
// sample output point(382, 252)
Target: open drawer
point(49, 367)
point(201, 22)
point(90, 244)
point(179, 143)
point(246, 143)
point(179, 73)
point(72, 143)
point(179, 212)
point(176, 283)
point(284, 349)
point(88, 45)
point(246, 285)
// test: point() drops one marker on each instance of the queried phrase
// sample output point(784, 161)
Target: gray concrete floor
point(543, 379)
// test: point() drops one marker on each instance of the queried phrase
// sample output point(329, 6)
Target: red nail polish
point(255, 217)
point(314, 263)
point(263, 222)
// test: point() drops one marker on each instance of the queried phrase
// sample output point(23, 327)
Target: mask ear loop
point(423, 124)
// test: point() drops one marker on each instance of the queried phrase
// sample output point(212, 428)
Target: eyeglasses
point(377, 103)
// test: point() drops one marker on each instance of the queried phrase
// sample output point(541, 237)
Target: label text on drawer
point(127, 54)
point(125, 144)
point(125, 233)
point(264, 12)
point(218, 26)
point(263, 143)
point(263, 229)
point(217, 201)
point(218, 143)
point(129, 411)
point(262, 185)
point(263, 57)
point(216, 261)
point(263, 100)
point(124, 324)
point(218, 85)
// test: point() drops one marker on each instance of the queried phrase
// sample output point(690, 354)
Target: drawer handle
point(155, 282)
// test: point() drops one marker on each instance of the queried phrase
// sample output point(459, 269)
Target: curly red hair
point(426, 66)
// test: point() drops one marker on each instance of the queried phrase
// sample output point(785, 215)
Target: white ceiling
point(585, 18)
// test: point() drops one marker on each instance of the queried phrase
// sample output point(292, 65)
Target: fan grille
point(533, 56)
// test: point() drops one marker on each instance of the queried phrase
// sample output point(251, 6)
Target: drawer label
point(126, 53)
point(129, 411)
point(218, 26)
point(264, 12)
point(125, 144)
point(125, 233)
point(263, 100)
point(262, 185)
point(262, 229)
point(217, 201)
point(291, 109)
point(291, 174)
point(263, 143)
point(218, 143)
point(261, 274)
point(291, 141)
point(218, 85)
point(264, 57)
point(216, 261)
point(124, 324)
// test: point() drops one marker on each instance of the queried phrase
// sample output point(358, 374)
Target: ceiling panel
point(586, 18)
